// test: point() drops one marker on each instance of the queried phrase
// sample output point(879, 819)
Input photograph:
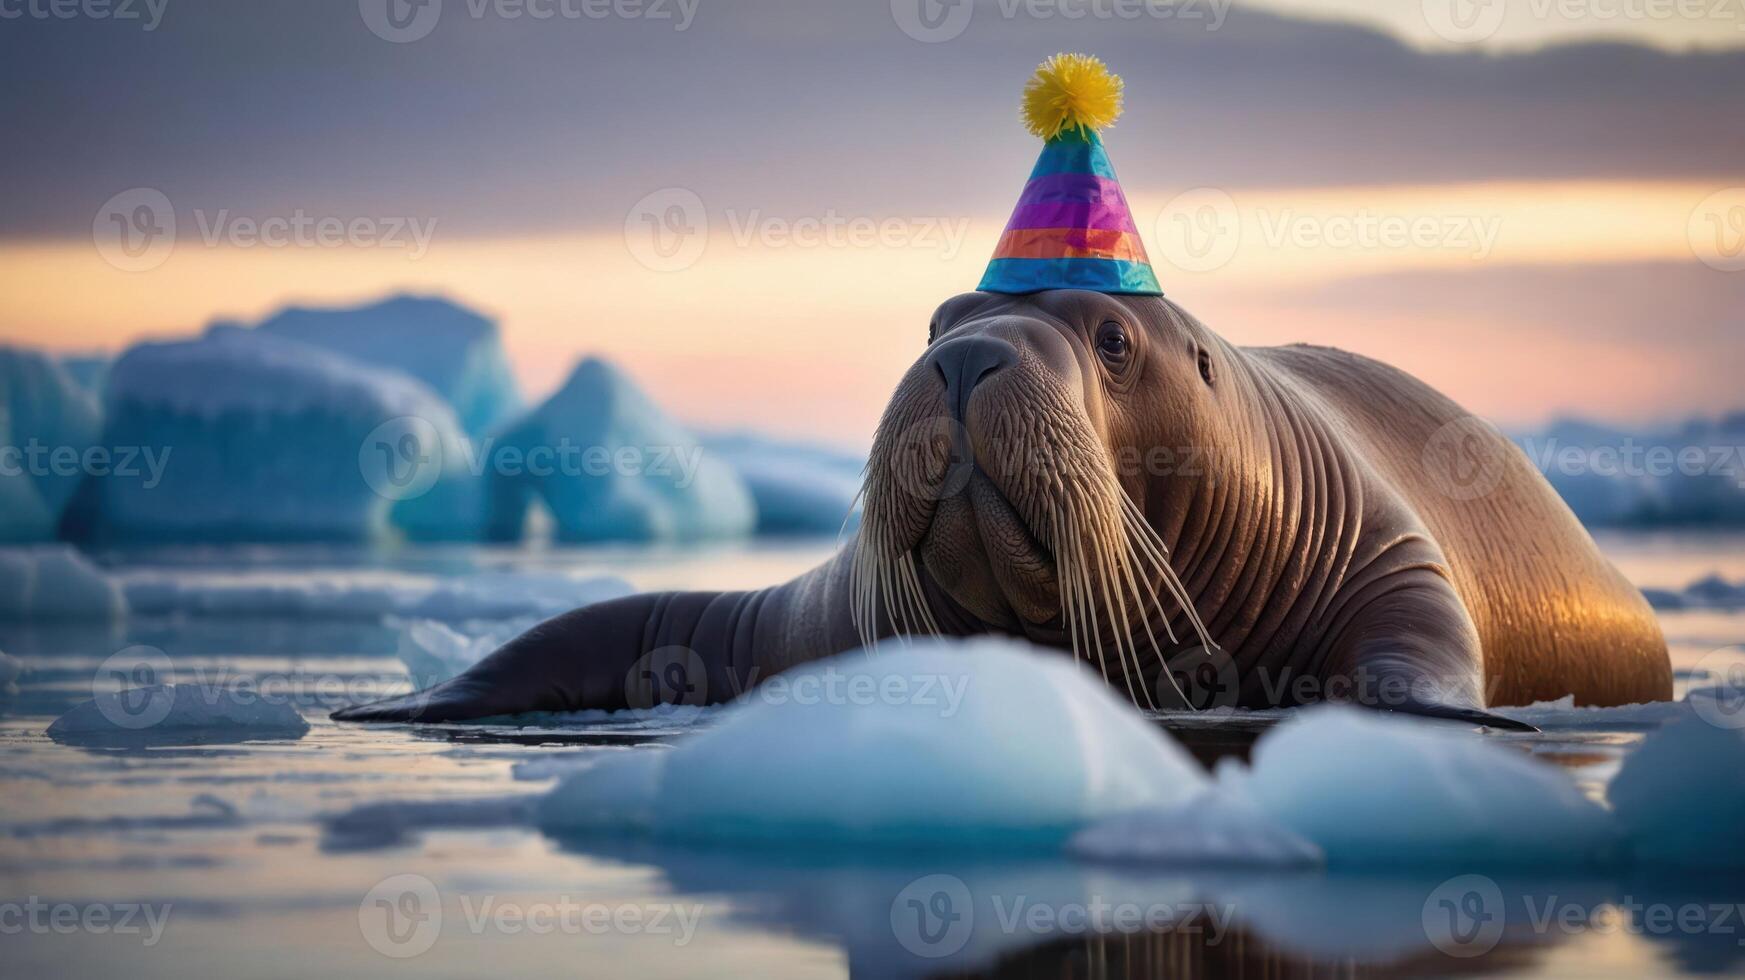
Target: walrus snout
point(964, 362)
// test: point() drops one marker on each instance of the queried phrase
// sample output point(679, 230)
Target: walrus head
point(1017, 463)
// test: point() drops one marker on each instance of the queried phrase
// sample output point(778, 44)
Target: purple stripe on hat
point(1071, 187)
point(1112, 215)
point(1072, 201)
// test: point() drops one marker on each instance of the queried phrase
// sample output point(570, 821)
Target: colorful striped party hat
point(1072, 228)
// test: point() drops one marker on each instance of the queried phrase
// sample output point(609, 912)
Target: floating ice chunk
point(394, 822)
point(365, 594)
point(982, 741)
point(612, 466)
point(1679, 796)
point(619, 792)
point(1374, 790)
point(254, 437)
point(166, 708)
point(1211, 829)
point(799, 489)
point(434, 651)
point(454, 350)
point(54, 581)
point(1708, 592)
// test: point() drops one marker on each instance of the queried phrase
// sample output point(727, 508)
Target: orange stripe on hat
point(1070, 243)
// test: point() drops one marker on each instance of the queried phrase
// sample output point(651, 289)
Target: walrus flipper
point(1412, 648)
point(694, 647)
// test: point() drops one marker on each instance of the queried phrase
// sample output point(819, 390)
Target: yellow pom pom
point(1071, 91)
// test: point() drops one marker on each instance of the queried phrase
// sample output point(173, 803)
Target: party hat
point(1072, 228)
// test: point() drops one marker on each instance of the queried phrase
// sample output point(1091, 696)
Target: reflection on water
point(271, 851)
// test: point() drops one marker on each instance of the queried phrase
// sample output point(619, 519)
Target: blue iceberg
point(610, 465)
point(455, 351)
point(48, 425)
point(252, 437)
point(798, 488)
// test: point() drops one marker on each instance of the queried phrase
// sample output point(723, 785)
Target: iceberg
point(981, 742)
point(455, 351)
point(1373, 790)
point(56, 582)
point(48, 423)
point(258, 438)
point(1692, 474)
point(611, 466)
point(88, 371)
point(1679, 797)
point(798, 488)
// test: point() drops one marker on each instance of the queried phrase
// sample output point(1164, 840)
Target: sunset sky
point(1537, 206)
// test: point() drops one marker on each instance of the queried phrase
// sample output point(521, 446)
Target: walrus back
point(1554, 616)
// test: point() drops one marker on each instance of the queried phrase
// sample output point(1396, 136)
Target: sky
point(1536, 205)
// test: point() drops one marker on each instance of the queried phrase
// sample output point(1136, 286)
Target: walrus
point(1104, 475)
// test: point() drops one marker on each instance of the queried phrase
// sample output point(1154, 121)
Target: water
point(354, 850)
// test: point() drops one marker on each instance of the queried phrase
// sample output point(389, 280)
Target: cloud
point(497, 125)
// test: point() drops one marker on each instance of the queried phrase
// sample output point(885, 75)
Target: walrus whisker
point(1148, 541)
point(911, 578)
point(1126, 632)
point(1128, 560)
point(1063, 577)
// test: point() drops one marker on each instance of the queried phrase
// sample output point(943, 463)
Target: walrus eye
point(1112, 341)
point(1206, 365)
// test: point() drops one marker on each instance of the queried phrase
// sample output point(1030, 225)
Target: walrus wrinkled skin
point(1342, 531)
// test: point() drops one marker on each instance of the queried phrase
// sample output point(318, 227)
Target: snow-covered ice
point(1369, 789)
point(981, 741)
point(179, 708)
point(266, 439)
point(454, 350)
point(799, 488)
point(55, 582)
point(615, 468)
